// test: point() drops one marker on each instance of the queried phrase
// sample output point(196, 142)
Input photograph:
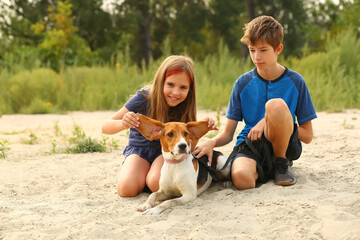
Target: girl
point(170, 98)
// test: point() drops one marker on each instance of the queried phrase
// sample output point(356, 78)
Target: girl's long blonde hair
point(157, 106)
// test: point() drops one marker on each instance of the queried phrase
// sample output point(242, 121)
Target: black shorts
point(264, 159)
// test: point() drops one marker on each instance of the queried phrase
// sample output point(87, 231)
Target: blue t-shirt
point(251, 92)
point(138, 104)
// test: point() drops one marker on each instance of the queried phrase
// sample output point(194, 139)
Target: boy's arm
point(306, 132)
point(222, 139)
point(119, 121)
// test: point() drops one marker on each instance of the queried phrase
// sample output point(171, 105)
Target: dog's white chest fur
point(178, 177)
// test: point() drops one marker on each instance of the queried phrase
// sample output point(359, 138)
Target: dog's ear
point(149, 128)
point(197, 129)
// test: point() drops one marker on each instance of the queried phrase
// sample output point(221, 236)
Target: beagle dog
point(183, 177)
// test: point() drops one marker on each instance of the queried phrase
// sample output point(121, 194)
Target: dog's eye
point(170, 134)
point(185, 134)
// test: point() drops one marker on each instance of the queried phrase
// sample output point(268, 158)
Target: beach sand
point(73, 196)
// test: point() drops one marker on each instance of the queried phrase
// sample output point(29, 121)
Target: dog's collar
point(176, 160)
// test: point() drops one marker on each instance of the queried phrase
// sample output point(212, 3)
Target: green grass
point(332, 77)
point(78, 142)
point(86, 145)
point(4, 148)
point(31, 140)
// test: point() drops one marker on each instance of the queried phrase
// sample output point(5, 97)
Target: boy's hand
point(205, 149)
point(257, 131)
point(130, 119)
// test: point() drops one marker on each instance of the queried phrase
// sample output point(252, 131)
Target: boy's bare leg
point(279, 127)
point(243, 173)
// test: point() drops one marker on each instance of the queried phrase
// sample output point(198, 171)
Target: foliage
point(332, 76)
point(16, 18)
point(45, 91)
point(31, 140)
point(216, 76)
point(82, 33)
point(60, 45)
point(327, 18)
point(33, 91)
point(87, 145)
point(4, 148)
point(80, 143)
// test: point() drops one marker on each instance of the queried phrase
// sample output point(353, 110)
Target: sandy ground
point(73, 196)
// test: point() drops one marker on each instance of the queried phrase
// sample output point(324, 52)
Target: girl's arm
point(306, 132)
point(121, 120)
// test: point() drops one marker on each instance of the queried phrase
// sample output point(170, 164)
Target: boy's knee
point(277, 112)
point(275, 105)
point(243, 180)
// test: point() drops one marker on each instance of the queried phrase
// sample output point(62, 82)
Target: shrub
point(30, 90)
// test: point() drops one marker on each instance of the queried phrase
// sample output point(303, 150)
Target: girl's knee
point(153, 183)
point(243, 180)
point(127, 189)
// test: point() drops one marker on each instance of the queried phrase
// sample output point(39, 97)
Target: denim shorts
point(148, 153)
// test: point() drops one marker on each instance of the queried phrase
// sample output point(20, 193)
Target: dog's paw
point(154, 211)
point(143, 207)
point(227, 184)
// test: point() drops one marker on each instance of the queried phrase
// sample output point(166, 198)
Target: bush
point(331, 76)
point(86, 145)
point(33, 91)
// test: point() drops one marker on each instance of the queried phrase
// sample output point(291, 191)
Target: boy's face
point(263, 55)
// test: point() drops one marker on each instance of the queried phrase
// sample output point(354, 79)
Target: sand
point(73, 196)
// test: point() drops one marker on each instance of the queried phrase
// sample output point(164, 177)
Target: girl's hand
point(130, 119)
point(257, 131)
point(211, 123)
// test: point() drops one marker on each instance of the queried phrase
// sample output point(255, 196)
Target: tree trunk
point(145, 51)
point(251, 9)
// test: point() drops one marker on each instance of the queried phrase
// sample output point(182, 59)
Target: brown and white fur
point(180, 171)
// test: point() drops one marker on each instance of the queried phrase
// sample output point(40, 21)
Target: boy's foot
point(283, 173)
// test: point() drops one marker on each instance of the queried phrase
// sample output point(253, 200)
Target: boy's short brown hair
point(263, 28)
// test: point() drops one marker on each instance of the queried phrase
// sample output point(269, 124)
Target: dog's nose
point(182, 146)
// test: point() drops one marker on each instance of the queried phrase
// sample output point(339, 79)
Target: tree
point(17, 16)
point(227, 19)
point(60, 45)
point(134, 21)
point(95, 26)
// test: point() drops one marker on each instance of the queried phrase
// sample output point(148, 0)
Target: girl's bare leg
point(132, 176)
point(153, 177)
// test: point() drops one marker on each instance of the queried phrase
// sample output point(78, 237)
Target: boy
point(270, 99)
